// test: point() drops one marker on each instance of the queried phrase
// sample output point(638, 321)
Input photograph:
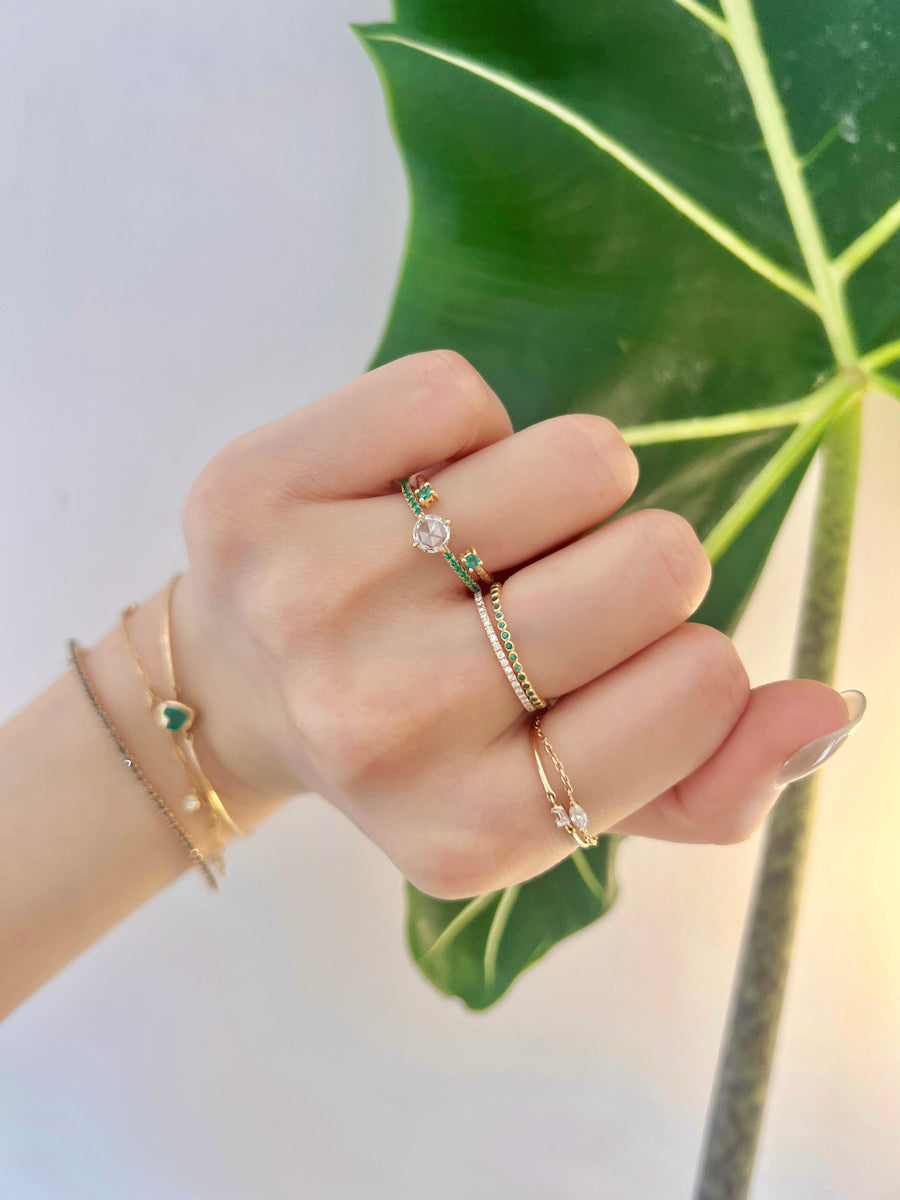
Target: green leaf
point(680, 216)
point(475, 949)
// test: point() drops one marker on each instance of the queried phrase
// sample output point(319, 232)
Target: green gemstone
point(501, 624)
point(176, 716)
point(425, 491)
point(472, 561)
point(513, 657)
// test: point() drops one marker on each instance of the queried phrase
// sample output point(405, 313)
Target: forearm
point(83, 844)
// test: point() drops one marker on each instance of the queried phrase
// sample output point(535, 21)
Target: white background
point(201, 219)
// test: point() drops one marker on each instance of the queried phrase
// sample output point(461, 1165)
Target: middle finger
point(542, 487)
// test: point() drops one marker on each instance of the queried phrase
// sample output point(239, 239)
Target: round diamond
point(431, 534)
point(191, 803)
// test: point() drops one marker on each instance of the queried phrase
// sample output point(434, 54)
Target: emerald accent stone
point(175, 716)
point(472, 561)
point(425, 491)
point(513, 657)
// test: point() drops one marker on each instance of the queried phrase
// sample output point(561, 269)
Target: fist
point(328, 653)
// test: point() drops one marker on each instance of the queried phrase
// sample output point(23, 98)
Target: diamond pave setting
point(431, 534)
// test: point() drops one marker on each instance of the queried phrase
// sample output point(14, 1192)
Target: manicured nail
point(811, 756)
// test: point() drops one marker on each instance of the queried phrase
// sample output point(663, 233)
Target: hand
point(328, 653)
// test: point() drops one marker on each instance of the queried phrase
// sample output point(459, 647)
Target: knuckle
point(719, 675)
point(596, 456)
point(735, 827)
point(213, 514)
point(447, 875)
point(678, 556)
point(449, 382)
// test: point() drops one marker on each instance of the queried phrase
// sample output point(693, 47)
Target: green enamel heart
point(176, 716)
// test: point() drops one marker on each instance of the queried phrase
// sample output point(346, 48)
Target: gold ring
point(501, 653)
point(471, 560)
point(431, 533)
point(574, 819)
point(512, 655)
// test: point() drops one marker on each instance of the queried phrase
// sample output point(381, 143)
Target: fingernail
point(811, 756)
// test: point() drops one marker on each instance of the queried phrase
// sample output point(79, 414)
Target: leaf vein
point(496, 931)
point(453, 928)
point(582, 866)
point(754, 65)
point(689, 208)
point(868, 243)
point(709, 18)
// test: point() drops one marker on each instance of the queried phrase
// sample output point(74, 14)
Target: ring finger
point(584, 609)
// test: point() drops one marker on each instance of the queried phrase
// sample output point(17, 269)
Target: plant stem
point(742, 1077)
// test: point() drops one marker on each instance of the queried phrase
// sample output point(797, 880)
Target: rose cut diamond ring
point(431, 534)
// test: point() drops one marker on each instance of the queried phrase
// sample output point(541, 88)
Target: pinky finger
point(706, 806)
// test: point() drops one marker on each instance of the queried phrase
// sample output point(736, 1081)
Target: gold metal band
point(177, 718)
point(574, 819)
point(512, 655)
point(196, 855)
point(501, 653)
point(471, 560)
point(431, 533)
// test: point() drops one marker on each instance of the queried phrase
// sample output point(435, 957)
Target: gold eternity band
point(501, 654)
point(509, 647)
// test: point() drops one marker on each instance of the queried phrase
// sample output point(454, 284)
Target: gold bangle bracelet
point(511, 653)
point(574, 819)
point(196, 855)
point(177, 718)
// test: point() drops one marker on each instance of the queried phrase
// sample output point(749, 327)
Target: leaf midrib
point(691, 209)
point(828, 275)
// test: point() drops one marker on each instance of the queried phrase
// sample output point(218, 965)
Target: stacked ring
point(501, 653)
point(512, 655)
point(471, 560)
point(432, 533)
point(574, 819)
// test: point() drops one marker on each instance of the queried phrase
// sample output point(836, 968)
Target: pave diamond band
point(512, 655)
point(501, 654)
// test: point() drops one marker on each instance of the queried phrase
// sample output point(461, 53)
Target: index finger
point(407, 415)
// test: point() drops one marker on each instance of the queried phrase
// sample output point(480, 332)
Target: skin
point(324, 653)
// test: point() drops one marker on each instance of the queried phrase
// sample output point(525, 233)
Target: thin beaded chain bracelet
point(196, 855)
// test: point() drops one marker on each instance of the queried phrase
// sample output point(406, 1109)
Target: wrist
point(120, 682)
point(232, 721)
